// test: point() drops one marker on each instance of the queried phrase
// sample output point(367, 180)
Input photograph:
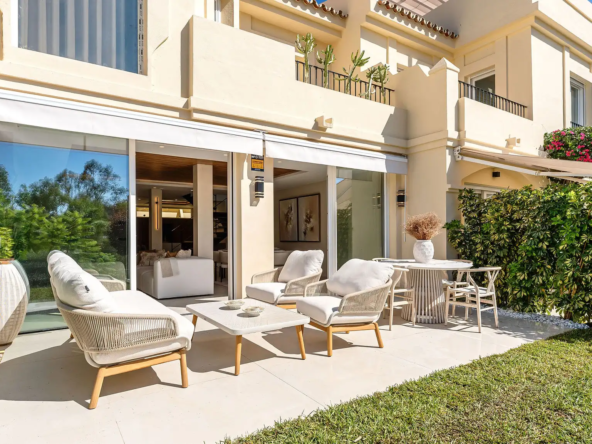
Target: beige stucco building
point(186, 92)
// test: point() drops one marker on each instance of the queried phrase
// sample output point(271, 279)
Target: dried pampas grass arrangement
point(423, 226)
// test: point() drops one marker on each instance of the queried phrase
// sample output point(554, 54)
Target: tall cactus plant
point(325, 61)
point(382, 77)
point(358, 61)
point(305, 46)
point(371, 75)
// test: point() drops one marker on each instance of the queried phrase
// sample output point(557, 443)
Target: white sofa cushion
point(79, 289)
point(136, 302)
point(56, 256)
point(268, 292)
point(358, 275)
point(301, 264)
point(324, 310)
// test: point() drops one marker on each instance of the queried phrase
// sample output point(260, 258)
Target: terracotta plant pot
point(14, 298)
point(423, 251)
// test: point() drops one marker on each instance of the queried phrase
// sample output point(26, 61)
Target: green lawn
point(538, 393)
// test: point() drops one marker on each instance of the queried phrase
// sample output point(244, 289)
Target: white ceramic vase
point(14, 299)
point(423, 251)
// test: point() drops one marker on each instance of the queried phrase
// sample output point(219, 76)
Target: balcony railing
point(576, 125)
point(336, 82)
point(480, 95)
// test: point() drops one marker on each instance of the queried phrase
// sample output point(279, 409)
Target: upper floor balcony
point(488, 98)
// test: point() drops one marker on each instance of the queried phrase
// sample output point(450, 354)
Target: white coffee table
point(237, 323)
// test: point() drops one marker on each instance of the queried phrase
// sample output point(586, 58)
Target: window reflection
point(74, 200)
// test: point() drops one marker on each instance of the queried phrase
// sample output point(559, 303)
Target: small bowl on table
point(234, 304)
point(253, 311)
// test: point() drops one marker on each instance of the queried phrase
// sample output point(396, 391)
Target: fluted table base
point(429, 296)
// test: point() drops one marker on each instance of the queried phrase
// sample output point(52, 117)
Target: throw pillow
point(358, 275)
point(183, 253)
point(302, 263)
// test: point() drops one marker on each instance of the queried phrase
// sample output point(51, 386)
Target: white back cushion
point(56, 256)
point(302, 263)
point(79, 289)
point(358, 275)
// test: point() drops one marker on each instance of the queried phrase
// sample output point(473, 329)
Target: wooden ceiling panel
point(155, 167)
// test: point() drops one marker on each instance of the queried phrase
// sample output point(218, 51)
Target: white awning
point(332, 155)
point(26, 109)
point(523, 163)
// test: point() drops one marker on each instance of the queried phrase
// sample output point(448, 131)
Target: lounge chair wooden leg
point(495, 310)
point(184, 379)
point(478, 308)
point(378, 337)
point(71, 335)
point(194, 320)
point(329, 341)
point(466, 313)
point(447, 307)
point(299, 330)
point(94, 399)
point(237, 359)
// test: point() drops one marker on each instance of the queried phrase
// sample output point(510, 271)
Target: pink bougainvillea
point(570, 144)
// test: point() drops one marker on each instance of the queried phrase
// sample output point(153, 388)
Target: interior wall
point(305, 190)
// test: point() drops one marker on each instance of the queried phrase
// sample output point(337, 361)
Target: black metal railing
point(480, 95)
point(576, 125)
point(337, 82)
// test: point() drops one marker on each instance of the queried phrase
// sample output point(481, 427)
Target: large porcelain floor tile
point(349, 373)
point(209, 411)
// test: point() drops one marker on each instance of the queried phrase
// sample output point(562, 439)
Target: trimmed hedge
point(542, 240)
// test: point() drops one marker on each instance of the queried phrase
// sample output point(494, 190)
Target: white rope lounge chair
point(352, 300)
point(284, 286)
point(118, 332)
point(472, 296)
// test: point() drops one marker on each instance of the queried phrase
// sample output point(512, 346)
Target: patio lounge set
point(122, 331)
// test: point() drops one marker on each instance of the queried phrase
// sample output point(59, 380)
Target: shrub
point(6, 243)
point(540, 238)
point(570, 144)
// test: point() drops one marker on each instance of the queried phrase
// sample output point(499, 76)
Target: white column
point(155, 211)
point(83, 24)
point(332, 220)
point(132, 215)
point(203, 211)
point(231, 223)
point(566, 88)
point(111, 38)
point(99, 31)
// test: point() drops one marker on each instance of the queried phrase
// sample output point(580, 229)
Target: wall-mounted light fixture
point(401, 198)
point(259, 187)
point(324, 122)
point(156, 212)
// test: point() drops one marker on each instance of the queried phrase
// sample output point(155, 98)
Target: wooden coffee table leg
point(299, 330)
point(194, 320)
point(237, 359)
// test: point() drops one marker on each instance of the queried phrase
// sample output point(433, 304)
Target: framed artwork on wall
point(289, 220)
point(309, 218)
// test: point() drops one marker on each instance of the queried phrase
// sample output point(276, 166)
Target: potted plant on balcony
point(305, 46)
point(423, 227)
point(14, 290)
point(382, 77)
point(325, 61)
point(358, 61)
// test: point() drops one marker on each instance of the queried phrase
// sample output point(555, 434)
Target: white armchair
point(177, 277)
point(284, 286)
point(120, 331)
point(351, 300)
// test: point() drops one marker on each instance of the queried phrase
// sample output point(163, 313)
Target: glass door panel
point(360, 230)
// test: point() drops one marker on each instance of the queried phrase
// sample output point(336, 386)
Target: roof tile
point(388, 4)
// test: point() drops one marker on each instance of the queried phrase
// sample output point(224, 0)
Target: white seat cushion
point(324, 310)
point(268, 292)
point(136, 302)
point(358, 275)
point(301, 264)
point(79, 289)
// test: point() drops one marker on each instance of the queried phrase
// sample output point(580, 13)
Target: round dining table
point(430, 300)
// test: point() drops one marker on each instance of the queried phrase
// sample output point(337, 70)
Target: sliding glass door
point(63, 191)
point(360, 227)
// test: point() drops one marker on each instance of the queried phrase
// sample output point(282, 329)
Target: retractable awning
point(65, 115)
point(333, 155)
point(523, 163)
